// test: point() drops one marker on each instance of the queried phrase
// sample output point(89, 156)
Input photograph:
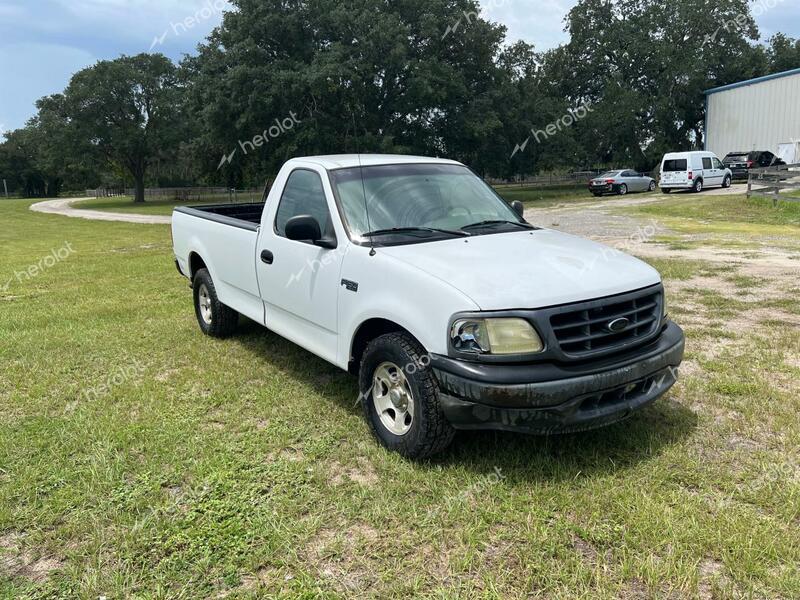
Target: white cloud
point(540, 23)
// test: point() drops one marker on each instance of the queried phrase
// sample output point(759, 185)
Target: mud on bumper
point(548, 398)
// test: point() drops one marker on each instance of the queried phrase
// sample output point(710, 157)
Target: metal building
point(759, 114)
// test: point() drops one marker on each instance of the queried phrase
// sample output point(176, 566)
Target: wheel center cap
point(397, 397)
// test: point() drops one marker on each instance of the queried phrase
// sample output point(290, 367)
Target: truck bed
point(245, 216)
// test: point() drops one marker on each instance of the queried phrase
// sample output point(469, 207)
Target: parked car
point(453, 310)
point(693, 171)
point(740, 163)
point(621, 182)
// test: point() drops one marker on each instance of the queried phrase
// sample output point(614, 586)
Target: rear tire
point(623, 189)
point(400, 397)
point(726, 183)
point(215, 319)
point(698, 186)
point(666, 190)
point(598, 195)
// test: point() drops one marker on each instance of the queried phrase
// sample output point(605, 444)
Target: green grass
point(730, 222)
point(200, 467)
point(542, 197)
point(726, 213)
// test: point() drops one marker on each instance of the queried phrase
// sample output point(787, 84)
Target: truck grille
point(586, 330)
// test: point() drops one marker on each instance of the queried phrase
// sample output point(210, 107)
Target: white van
point(693, 171)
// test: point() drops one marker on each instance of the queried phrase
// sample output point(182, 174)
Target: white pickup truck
point(453, 310)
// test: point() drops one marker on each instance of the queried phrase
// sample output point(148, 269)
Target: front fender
point(399, 292)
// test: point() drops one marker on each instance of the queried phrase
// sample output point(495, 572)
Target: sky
point(43, 42)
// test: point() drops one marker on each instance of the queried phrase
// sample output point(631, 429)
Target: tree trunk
point(139, 188)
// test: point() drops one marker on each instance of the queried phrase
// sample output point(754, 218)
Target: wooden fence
point(776, 183)
point(578, 178)
point(185, 194)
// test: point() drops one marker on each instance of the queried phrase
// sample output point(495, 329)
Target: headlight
point(495, 336)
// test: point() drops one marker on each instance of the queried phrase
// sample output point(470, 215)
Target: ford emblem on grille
point(618, 325)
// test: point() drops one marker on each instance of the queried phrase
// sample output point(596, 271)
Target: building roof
point(342, 161)
point(755, 81)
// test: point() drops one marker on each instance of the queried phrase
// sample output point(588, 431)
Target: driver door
point(298, 281)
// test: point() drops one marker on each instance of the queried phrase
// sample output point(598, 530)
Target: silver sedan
point(621, 182)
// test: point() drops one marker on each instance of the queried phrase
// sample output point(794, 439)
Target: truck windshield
point(405, 197)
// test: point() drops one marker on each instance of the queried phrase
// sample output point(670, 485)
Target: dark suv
point(740, 163)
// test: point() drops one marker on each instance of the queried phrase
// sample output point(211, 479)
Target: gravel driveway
point(63, 206)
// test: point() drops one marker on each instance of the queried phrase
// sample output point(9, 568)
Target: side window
point(766, 159)
point(718, 164)
point(706, 162)
point(303, 195)
point(628, 174)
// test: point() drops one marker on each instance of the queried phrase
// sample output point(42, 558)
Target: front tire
point(652, 187)
point(215, 319)
point(400, 397)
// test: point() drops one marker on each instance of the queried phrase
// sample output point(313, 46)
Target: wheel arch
point(366, 332)
point(196, 263)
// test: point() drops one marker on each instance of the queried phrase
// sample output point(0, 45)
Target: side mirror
point(518, 207)
point(305, 228)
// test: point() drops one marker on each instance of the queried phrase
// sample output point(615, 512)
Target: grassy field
point(141, 459)
point(544, 196)
point(729, 221)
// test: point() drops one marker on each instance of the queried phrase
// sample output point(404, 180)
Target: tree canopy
point(282, 78)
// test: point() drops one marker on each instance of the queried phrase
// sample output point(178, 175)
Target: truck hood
point(530, 269)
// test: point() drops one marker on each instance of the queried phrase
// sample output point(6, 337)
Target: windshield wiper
point(413, 230)
point(499, 222)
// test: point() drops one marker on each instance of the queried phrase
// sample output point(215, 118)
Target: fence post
point(749, 185)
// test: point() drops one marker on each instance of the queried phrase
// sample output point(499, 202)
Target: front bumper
point(547, 398)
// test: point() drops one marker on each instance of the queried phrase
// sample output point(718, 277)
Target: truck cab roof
point(347, 161)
